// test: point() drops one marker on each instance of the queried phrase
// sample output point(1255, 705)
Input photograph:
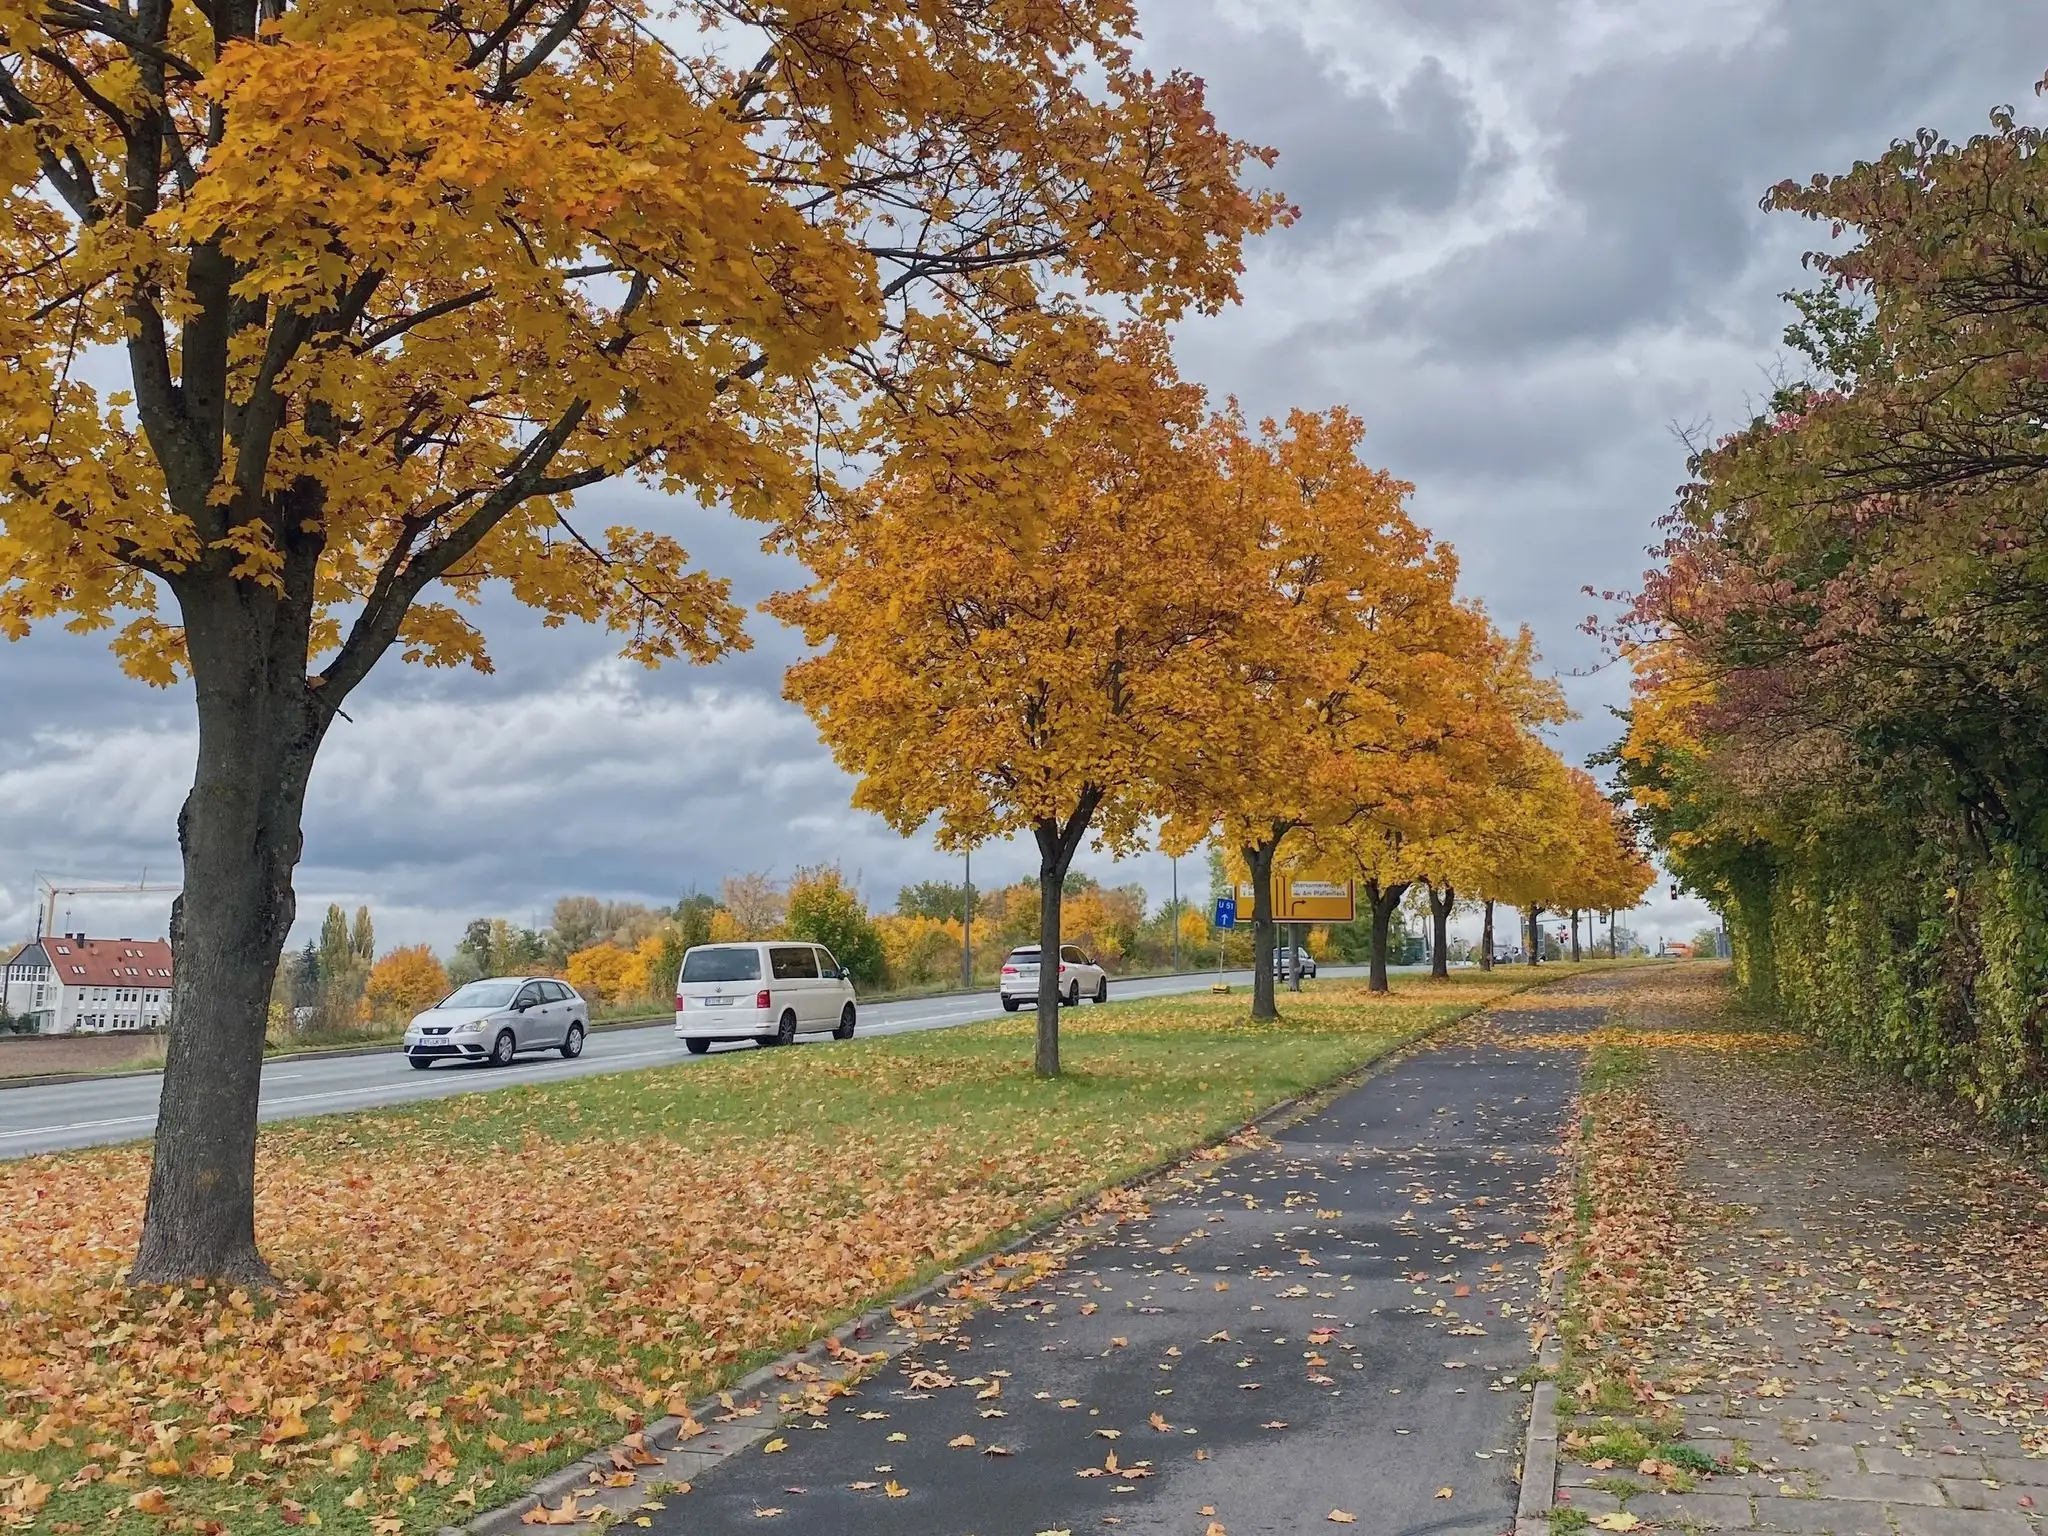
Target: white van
point(768, 993)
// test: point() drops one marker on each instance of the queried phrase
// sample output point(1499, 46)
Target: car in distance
point(765, 992)
point(1282, 961)
point(1079, 977)
point(497, 1018)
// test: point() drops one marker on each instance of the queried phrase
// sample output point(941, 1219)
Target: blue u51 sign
point(1226, 911)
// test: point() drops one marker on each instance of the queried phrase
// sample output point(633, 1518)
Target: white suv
point(768, 993)
point(1079, 977)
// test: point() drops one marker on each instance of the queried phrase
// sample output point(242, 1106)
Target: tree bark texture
point(1057, 843)
point(1575, 935)
point(1259, 860)
point(1535, 935)
point(1486, 938)
point(1440, 904)
point(1383, 899)
point(239, 832)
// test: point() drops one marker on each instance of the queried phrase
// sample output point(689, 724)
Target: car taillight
point(1063, 970)
point(1009, 970)
point(679, 1002)
point(761, 999)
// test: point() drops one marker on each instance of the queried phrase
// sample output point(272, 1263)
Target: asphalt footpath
point(1332, 1325)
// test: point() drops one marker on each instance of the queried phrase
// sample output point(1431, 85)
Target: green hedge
point(1930, 965)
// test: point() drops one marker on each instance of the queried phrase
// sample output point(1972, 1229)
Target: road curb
point(1539, 1449)
point(681, 1462)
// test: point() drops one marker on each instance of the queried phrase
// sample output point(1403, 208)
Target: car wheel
point(420, 1063)
point(1102, 989)
point(785, 1030)
point(697, 1047)
point(503, 1049)
point(1073, 997)
point(572, 1045)
point(1009, 1005)
point(845, 1029)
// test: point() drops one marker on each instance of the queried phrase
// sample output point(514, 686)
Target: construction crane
point(140, 887)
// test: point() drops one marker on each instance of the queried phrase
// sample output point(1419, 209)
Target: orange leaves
point(1018, 615)
point(533, 281)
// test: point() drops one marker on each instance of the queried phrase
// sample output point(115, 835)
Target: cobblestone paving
point(1870, 1321)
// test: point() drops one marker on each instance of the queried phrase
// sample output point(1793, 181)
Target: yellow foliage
point(607, 973)
point(920, 949)
point(725, 928)
point(406, 279)
point(404, 982)
point(1016, 627)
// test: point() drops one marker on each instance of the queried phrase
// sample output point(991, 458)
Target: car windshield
point(733, 963)
point(481, 994)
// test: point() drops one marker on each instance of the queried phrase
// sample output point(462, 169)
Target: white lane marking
point(80, 1125)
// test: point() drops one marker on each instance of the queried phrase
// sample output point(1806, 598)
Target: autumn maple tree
point(1019, 619)
point(1346, 646)
point(389, 287)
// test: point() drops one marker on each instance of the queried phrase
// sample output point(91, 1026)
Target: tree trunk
point(1575, 935)
point(1486, 939)
point(1613, 942)
point(239, 831)
point(1440, 904)
point(1535, 935)
point(1057, 843)
point(1294, 933)
point(1259, 860)
point(1383, 902)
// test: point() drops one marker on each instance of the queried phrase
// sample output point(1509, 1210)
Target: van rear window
point(731, 963)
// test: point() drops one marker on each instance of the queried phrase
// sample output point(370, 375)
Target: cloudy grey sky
point(1530, 248)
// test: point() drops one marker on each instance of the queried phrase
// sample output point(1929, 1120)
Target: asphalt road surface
point(58, 1116)
point(1336, 1326)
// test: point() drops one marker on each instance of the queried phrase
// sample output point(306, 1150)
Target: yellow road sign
point(1308, 901)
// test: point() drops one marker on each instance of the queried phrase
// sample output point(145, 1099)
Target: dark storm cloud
point(1349, 150)
point(1658, 164)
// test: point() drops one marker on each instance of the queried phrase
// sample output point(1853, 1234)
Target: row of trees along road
point(1164, 616)
point(390, 290)
point(1842, 655)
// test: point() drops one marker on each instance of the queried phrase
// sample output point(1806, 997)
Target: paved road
point(64, 1115)
point(1335, 1324)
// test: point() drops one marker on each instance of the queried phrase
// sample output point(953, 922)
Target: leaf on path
point(1443, 1493)
point(568, 1512)
point(959, 1441)
point(1341, 1517)
point(777, 1444)
point(1621, 1520)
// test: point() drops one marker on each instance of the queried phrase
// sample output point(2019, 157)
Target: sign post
point(1226, 919)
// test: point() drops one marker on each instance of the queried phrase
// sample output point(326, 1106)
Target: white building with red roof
point(70, 984)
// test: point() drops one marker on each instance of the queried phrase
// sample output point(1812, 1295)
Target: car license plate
point(717, 1002)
